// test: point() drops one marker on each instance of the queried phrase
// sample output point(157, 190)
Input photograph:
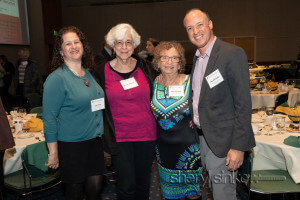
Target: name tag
point(97, 104)
point(129, 83)
point(176, 90)
point(214, 78)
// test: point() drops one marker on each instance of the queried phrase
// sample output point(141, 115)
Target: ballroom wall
point(274, 23)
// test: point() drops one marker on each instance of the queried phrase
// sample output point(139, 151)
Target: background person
point(73, 122)
point(8, 77)
point(150, 46)
point(106, 54)
point(221, 103)
point(26, 76)
point(130, 128)
point(177, 150)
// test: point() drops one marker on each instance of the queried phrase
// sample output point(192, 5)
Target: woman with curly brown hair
point(72, 114)
point(177, 149)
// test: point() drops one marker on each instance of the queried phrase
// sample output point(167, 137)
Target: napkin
point(37, 155)
point(34, 125)
point(289, 111)
point(292, 141)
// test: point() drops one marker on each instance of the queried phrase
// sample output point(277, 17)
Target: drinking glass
point(269, 111)
point(280, 123)
point(261, 111)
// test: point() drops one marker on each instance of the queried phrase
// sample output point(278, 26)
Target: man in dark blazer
point(221, 104)
point(105, 55)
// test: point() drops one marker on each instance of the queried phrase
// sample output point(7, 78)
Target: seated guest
point(72, 115)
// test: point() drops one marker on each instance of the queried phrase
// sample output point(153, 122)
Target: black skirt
point(78, 160)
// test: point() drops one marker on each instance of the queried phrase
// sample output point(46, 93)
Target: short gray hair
point(118, 33)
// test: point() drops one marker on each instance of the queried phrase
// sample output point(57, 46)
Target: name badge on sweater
point(97, 104)
point(129, 83)
point(215, 78)
point(176, 90)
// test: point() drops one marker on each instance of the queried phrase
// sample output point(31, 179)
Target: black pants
point(133, 165)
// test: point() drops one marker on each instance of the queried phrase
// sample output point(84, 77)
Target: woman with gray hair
point(129, 126)
point(177, 150)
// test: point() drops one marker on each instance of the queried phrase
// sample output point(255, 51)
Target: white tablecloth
point(259, 100)
point(271, 153)
point(294, 97)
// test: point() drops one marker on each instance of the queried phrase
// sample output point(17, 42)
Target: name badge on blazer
point(215, 78)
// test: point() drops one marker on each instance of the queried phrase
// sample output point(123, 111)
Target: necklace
point(85, 81)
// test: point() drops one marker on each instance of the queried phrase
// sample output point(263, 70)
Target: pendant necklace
point(85, 81)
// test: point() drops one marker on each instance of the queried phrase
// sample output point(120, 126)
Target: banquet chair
point(33, 100)
point(267, 182)
point(35, 176)
point(38, 109)
point(281, 99)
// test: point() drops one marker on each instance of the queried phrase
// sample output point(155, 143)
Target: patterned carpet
point(155, 194)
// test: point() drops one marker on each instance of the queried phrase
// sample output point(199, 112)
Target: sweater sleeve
point(53, 99)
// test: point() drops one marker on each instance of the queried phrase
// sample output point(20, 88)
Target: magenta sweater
point(133, 119)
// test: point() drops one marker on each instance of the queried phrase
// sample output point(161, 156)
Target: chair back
point(33, 100)
point(38, 109)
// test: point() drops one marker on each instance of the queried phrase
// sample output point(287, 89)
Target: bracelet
point(51, 154)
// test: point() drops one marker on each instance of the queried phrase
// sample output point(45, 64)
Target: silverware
point(37, 138)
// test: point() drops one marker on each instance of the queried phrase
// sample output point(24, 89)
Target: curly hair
point(163, 46)
point(87, 57)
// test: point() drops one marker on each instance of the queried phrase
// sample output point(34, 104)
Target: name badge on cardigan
point(129, 83)
point(97, 104)
point(176, 90)
point(214, 78)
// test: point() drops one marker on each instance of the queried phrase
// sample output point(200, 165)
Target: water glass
point(270, 111)
point(280, 124)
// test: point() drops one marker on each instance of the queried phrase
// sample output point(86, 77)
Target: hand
point(52, 161)
point(159, 79)
point(234, 159)
point(191, 124)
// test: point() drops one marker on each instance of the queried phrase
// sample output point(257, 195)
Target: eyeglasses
point(120, 43)
point(174, 59)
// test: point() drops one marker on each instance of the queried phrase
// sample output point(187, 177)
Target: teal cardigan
point(67, 113)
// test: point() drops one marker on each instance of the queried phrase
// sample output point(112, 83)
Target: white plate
point(25, 135)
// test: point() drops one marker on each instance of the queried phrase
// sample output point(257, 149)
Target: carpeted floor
point(109, 192)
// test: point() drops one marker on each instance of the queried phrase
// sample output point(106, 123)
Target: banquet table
point(12, 157)
point(259, 99)
point(271, 153)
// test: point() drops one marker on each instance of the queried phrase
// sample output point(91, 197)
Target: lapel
point(210, 68)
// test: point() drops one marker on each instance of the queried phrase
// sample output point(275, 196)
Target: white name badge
point(214, 78)
point(129, 83)
point(97, 104)
point(176, 90)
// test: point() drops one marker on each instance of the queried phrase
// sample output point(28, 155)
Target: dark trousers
point(133, 165)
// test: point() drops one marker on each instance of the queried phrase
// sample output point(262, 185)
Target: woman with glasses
point(177, 150)
point(129, 126)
